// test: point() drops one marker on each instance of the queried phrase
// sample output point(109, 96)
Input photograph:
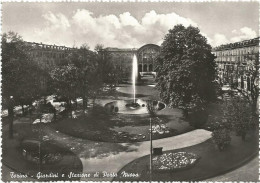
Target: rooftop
point(241, 44)
point(47, 46)
point(120, 49)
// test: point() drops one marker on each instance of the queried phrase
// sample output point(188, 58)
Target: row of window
point(240, 51)
point(234, 67)
point(235, 58)
point(122, 54)
point(55, 55)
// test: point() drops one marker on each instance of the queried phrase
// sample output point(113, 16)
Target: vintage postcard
point(130, 91)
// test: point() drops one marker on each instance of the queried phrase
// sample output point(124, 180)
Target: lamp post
point(151, 149)
point(151, 110)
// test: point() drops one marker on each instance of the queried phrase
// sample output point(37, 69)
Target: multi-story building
point(145, 57)
point(47, 56)
point(236, 61)
point(51, 55)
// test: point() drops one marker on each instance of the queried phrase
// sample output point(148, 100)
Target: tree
point(10, 107)
point(113, 77)
point(99, 47)
point(20, 74)
point(87, 64)
point(66, 82)
point(20, 79)
point(238, 113)
point(185, 68)
point(253, 73)
point(106, 67)
point(112, 73)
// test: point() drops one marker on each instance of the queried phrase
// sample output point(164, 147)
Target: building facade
point(47, 56)
point(146, 56)
point(236, 61)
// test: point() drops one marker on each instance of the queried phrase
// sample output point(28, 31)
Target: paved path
point(114, 163)
point(247, 173)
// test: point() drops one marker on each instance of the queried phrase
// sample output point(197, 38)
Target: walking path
point(113, 163)
point(127, 152)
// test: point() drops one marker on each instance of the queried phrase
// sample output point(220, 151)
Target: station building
point(146, 56)
point(50, 55)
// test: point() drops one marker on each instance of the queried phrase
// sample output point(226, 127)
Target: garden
point(88, 118)
point(194, 163)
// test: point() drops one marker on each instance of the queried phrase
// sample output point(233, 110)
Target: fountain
point(134, 74)
point(132, 106)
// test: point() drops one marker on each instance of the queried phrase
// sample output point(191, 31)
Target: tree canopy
point(20, 74)
point(185, 67)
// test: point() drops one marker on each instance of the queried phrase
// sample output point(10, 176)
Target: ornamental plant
point(239, 114)
point(221, 136)
point(174, 161)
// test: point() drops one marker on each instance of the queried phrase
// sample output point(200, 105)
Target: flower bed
point(174, 161)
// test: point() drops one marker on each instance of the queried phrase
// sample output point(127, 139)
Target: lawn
point(121, 127)
point(24, 158)
point(212, 162)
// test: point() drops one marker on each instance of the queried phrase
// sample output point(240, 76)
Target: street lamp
point(151, 149)
point(152, 113)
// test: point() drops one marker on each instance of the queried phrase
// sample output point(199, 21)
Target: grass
point(120, 128)
point(212, 161)
point(123, 128)
point(12, 158)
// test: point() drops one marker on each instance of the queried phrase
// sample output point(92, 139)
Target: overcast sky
point(128, 25)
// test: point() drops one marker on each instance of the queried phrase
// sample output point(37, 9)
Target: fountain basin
point(133, 105)
point(130, 107)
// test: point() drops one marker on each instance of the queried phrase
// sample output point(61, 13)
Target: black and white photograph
point(130, 91)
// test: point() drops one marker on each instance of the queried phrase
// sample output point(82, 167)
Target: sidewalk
point(114, 163)
point(111, 157)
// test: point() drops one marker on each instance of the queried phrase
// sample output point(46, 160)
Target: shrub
point(221, 136)
point(238, 113)
point(198, 118)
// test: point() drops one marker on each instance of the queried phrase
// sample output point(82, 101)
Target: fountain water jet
point(134, 74)
point(138, 106)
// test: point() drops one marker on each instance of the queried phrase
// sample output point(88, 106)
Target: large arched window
point(151, 67)
point(145, 68)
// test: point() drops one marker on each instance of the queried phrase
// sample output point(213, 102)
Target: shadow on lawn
point(115, 128)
